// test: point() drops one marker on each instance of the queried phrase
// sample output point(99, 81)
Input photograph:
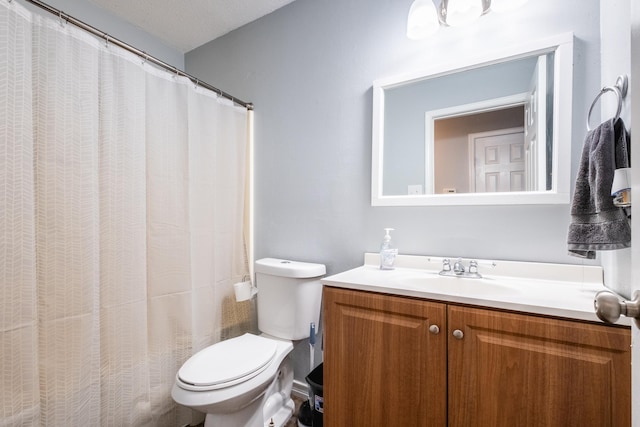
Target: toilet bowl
point(246, 381)
point(230, 379)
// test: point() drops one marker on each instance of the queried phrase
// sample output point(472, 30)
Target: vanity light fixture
point(425, 16)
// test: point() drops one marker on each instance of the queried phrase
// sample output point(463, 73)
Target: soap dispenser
point(387, 251)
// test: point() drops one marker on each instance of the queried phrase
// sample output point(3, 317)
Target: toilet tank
point(289, 297)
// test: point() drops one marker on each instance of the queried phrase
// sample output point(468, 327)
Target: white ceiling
point(185, 25)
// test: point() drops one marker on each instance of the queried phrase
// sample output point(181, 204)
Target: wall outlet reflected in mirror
point(415, 189)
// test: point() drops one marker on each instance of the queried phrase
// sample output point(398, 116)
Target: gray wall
point(309, 67)
point(105, 21)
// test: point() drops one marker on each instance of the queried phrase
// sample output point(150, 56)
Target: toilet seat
point(227, 363)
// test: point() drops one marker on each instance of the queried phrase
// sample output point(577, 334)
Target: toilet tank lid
point(286, 268)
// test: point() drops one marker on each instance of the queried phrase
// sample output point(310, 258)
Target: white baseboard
point(300, 389)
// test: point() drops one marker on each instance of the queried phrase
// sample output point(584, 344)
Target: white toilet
point(246, 381)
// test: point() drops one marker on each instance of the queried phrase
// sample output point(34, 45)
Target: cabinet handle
point(458, 334)
point(609, 307)
point(434, 329)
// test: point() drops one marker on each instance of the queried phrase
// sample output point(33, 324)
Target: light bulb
point(506, 5)
point(422, 20)
point(462, 12)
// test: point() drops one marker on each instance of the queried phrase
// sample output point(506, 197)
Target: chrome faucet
point(459, 269)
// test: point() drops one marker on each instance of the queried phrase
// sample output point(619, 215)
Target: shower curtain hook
point(61, 19)
point(197, 83)
point(106, 40)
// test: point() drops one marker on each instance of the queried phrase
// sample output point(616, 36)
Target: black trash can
point(314, 379)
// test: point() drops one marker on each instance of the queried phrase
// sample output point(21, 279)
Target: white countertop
point(558, 290)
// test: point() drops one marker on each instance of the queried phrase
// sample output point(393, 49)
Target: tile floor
point(293, 422)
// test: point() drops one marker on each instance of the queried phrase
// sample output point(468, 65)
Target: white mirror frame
point(559, 193)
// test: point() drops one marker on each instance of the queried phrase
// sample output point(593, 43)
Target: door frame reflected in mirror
point(458, 111)
point(562, 48)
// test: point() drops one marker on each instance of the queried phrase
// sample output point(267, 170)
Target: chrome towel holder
point(620, 89)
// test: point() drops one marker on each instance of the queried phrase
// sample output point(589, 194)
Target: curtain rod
point(140, 53)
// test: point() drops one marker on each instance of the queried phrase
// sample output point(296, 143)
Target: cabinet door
point(517, 370)
point(382, 364)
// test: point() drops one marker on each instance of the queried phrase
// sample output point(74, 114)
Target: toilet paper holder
point(244, 290)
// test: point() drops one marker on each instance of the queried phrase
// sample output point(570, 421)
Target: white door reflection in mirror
point(498, 161)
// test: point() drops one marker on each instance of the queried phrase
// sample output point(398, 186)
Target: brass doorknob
point(609, 307)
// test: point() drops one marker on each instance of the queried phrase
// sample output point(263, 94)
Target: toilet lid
point(228, 362)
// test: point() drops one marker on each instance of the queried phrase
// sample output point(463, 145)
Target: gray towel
point(596, 224)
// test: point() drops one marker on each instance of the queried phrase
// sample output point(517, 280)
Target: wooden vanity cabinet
point(382, 365)
point(520, 370)
point(386, 365)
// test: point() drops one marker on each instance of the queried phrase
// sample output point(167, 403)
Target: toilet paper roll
point(621, 187)
point(244, 291)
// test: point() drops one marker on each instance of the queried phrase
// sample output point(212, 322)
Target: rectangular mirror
point(494, 130)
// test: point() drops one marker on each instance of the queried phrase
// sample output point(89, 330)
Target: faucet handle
point(446, 264)
point(473, 266)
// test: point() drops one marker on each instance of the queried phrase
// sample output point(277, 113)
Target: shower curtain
point(121, 227)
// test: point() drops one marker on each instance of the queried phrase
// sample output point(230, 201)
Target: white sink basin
point(435, 283)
